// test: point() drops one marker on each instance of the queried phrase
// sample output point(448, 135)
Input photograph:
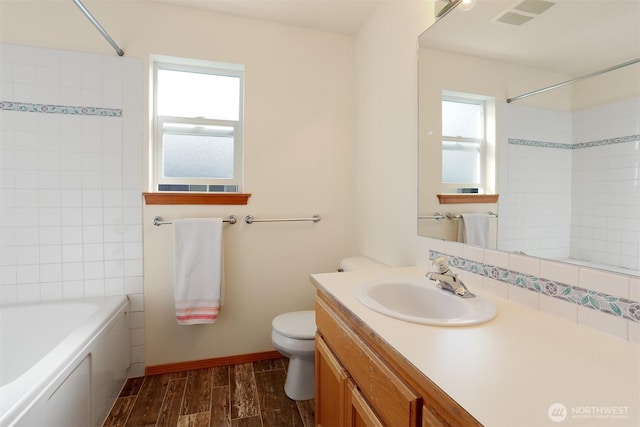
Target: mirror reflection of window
point(463, 143)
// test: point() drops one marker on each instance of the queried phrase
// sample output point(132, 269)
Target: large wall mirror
point(565, 162)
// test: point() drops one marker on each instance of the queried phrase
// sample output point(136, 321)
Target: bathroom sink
point(418, 300)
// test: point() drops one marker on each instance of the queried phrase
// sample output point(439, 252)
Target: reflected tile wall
point(570, 183)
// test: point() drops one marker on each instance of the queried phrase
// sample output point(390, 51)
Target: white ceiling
point(337, 16)
point(575, 37)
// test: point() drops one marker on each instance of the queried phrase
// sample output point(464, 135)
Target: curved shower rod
point(96, 24)
point(577, 79)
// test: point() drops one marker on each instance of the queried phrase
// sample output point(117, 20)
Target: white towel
point(198, 285)
point(473, 229)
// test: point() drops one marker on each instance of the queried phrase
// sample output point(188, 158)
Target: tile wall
point(71, 179)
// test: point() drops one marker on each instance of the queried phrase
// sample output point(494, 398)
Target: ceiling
point(337, 16)
point(574, 37)
point(596, 33)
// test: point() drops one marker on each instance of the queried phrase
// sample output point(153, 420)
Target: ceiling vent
point(523, 12)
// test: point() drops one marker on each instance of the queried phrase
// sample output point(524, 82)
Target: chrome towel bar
point(249, 219)
point(158, 221)
point(449, 215)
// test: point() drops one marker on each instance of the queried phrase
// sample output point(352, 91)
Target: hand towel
point(473, 229)
point(198, 285)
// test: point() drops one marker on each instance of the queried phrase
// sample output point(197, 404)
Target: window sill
point(196, 198)
point(467, 198)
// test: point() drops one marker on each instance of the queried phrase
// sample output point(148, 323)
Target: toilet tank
point(360, 263)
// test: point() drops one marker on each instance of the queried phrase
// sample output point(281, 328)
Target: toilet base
point(300, 383)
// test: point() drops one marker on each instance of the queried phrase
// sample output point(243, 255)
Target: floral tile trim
point(540, 144)
point(610, 304)
point(598, 143)
point(28, 107)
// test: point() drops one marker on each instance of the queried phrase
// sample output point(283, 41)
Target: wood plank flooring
point(242, 395)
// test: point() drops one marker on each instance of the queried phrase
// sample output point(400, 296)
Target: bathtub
point(62, 363)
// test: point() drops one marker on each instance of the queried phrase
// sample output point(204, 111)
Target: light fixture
point(467, 5)
point(462, 4)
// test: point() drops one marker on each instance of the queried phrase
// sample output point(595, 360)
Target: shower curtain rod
point(577, 79)
point(96, 24)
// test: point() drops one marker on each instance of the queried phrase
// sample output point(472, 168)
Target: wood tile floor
point(242, 395)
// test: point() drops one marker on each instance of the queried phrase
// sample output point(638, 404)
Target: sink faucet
point(447, 280)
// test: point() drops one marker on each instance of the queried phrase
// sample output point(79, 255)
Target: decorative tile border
point(540, 144)
point(616, 306)
point(589, 144)
point(28, 107)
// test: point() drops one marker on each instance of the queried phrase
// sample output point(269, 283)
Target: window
point(198, 121)
point(463, 144)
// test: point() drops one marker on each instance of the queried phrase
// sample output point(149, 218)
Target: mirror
point(566, 161)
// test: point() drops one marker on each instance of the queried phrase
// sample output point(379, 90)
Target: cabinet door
point(360, 413)
point(395, 403)
point(331, 387)
point(431, 418)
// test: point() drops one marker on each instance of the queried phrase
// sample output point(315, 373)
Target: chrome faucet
point(447, 280)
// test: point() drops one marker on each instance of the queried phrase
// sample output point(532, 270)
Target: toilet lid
point(297, 324)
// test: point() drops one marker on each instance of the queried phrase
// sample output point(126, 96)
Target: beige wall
point(299, 156)
point(386, 148)
point(623, 83)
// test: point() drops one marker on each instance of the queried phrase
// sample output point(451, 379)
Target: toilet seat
point(297, 324)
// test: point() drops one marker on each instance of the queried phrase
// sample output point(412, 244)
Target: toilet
point(293, 335)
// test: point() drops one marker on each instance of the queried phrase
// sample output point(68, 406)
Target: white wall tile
point(565, 309)
point(8, 275)
point(51, 291)
point(524, 296)
point(94, 287)
point(496, 258)
point(604, 322)
point(525, 264)
point(602, 281)
point(28, 293)
point(50, 254)
point(634, 332)
point(560, 272)
point(496, 287)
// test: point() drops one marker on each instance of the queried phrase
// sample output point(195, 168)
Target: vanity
point(522, 368)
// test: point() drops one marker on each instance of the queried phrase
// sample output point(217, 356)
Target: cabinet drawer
point(394, 402)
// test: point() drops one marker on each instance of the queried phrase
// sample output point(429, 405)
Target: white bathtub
point(62, 363)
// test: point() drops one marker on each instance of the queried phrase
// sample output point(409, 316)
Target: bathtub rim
point(20, 395)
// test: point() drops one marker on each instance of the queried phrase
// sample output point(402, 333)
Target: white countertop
point(510, 371)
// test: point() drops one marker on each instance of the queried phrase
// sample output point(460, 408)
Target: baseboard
point(211, 363)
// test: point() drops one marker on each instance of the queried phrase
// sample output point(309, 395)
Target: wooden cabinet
point(361, 381)
point(331, 395)
point(359, 413)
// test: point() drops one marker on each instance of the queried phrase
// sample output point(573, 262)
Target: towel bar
point(449, 215)
point(249, 219)
point(158, 221)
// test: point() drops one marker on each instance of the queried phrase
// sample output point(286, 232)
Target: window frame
point(456, 187)
point(158, 121)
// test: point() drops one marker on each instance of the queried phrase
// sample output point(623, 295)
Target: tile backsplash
point(71, 179)
point(606, 301)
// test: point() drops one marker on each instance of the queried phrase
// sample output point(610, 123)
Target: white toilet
point(293, 335)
